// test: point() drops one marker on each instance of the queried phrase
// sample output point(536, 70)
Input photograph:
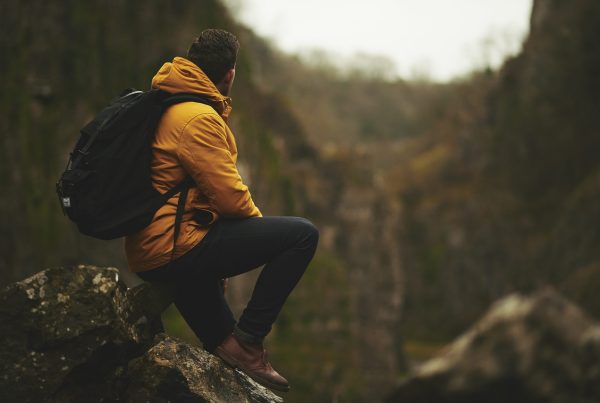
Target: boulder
point(78, 334)
point(179, 372)
point(540, 348)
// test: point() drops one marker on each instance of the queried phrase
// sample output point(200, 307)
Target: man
point(222, 233)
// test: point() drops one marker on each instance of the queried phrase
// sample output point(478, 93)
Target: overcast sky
point(438, 38)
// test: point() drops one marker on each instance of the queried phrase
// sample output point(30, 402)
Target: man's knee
point(309, 233)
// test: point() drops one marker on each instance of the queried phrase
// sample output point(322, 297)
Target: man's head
point(215, 52)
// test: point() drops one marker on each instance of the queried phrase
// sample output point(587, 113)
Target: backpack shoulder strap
point(182, 188)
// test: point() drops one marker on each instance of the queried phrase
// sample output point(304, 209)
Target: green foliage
point(174, 324)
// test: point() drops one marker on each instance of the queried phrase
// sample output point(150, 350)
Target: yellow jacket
point(191, 139)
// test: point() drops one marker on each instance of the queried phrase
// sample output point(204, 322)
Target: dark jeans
point(285, 245)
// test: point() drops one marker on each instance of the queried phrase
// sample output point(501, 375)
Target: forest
point(433, 200)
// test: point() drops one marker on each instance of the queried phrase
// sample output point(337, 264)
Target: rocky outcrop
point(77, 334)
point(525, 349)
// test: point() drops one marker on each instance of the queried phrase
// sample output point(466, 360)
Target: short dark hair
point(215, 52)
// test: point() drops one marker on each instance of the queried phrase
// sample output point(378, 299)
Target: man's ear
point(224, 86)
point(229, 76)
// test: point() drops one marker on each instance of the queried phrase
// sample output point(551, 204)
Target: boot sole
point(232, 362)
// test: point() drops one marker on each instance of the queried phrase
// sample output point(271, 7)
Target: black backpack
point(106, 188)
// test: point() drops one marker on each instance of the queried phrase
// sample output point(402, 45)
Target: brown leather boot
point(252, 359)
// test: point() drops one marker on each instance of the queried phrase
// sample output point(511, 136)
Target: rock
point(179, 372)
point(77, 334)
point(525, 349)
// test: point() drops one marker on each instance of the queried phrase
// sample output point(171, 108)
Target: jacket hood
point(182, 75)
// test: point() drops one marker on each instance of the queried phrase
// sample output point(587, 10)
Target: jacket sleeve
point(205, 155)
